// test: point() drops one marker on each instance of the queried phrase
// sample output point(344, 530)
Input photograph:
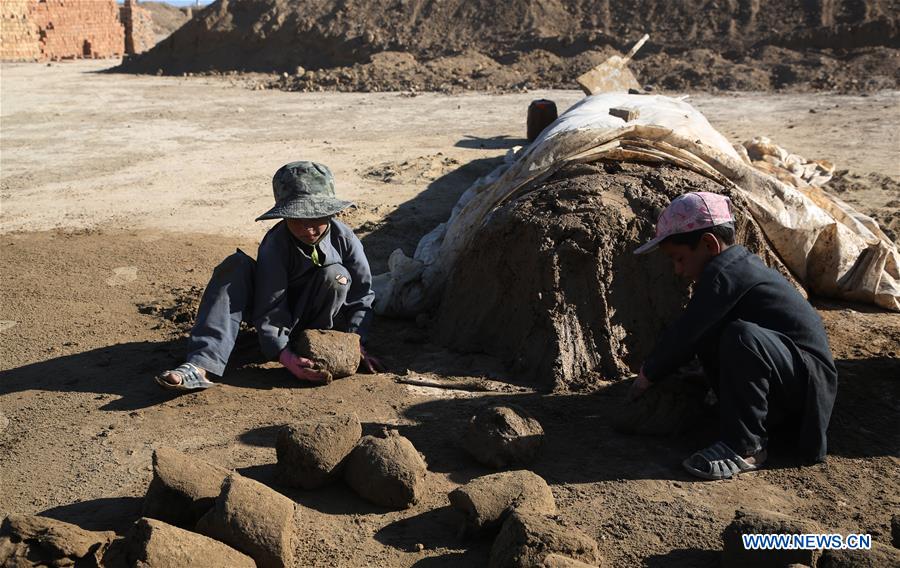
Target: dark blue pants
point(760, 379)
point(228, 300)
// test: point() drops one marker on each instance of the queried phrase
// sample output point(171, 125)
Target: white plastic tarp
point(833, 250)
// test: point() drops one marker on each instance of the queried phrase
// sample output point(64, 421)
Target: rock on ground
point(310, 453)
point(156, 544)
point(27, 540)
point(334, 352)
point(183, 488)
point(502, 436)
point(764, 522)
point(669, 408)
point(254, 519)
point(486, 501)
point(590, 309)
point(526, 540)
point(879, 556)
point(387, 471)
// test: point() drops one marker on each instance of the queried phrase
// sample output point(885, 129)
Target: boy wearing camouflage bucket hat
point(762, 345)
point(310, 273)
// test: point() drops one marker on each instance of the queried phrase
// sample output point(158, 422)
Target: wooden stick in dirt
point(474, 385)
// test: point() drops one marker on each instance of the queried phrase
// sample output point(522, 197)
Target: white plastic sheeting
point(830, 248)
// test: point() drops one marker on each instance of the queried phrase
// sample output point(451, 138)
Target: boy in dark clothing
point(311, 271)
point(761, 344)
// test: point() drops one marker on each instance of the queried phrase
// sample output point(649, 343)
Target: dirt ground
point(459, 45)
point(121, 193)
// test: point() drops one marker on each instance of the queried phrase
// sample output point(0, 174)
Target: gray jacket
point(283, 266)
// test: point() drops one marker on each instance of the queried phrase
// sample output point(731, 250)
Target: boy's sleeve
point(709, 305)
point(361, 296)
point(271, 312)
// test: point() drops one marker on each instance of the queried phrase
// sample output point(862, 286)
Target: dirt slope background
point(166, 18)
point(367, 45)
point(121, 193)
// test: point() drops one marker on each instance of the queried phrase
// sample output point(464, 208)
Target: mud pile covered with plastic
point(551, 283)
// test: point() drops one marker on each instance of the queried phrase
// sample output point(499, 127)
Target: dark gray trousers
point(760, 379)
point(228, 300)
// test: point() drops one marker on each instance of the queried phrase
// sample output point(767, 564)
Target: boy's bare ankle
point(758, 458)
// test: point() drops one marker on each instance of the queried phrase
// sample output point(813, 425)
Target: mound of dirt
point(500, 436)
point(387, 471)
point(590, 308)
point(311, 453)
point(457, 44)
point(183, 488)
point(166, 18)
point(334, 353)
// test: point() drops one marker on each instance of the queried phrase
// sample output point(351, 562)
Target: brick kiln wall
point(60, 29)
point(79, 28)
point(18, 33)
point(138, 22)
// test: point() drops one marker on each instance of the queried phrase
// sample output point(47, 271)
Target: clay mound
point(165, 18)
point(500, 436)
point(589, 309)
point(487, 501)
point(334, 353)
point(387, 471)
point(312, 452)
point(27, 540)
point(734, 555)
point(282, 35)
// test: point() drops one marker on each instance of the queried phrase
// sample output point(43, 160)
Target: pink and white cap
point(687, 213)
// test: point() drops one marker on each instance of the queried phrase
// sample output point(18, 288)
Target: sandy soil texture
point(456, 45)
point(121, 193)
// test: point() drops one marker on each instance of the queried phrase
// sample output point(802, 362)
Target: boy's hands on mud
point(301, 367)
point(639, 386)
point(369, 364)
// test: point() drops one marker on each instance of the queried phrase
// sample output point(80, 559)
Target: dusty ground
point(119, 195)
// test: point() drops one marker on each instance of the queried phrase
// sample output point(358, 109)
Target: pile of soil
point(590, 309)
point(373, 45)
point(166, 18)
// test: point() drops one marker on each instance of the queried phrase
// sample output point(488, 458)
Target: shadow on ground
point(126, 370)
point(502, 142)
point(104, 514)
point(581, 445)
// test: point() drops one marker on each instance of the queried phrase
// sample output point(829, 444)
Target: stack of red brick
point(18, 32)
point(66, 29)
point(79, 28)
point(138, 24)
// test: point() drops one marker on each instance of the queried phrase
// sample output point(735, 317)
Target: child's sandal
point(718, 462)
point(191, 379)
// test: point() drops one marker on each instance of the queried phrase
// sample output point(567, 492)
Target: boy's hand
point(301, 367)
point(368, 363)
point(639, 386)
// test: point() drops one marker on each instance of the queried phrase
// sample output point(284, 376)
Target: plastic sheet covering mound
point(833, 250)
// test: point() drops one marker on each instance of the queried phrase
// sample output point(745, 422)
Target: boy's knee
point(737, 333)
point(237, 264)
point(336, 278)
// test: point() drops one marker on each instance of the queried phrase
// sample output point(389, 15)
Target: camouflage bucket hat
point(303, 190)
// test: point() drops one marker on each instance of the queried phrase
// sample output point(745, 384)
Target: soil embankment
point(376, 45)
